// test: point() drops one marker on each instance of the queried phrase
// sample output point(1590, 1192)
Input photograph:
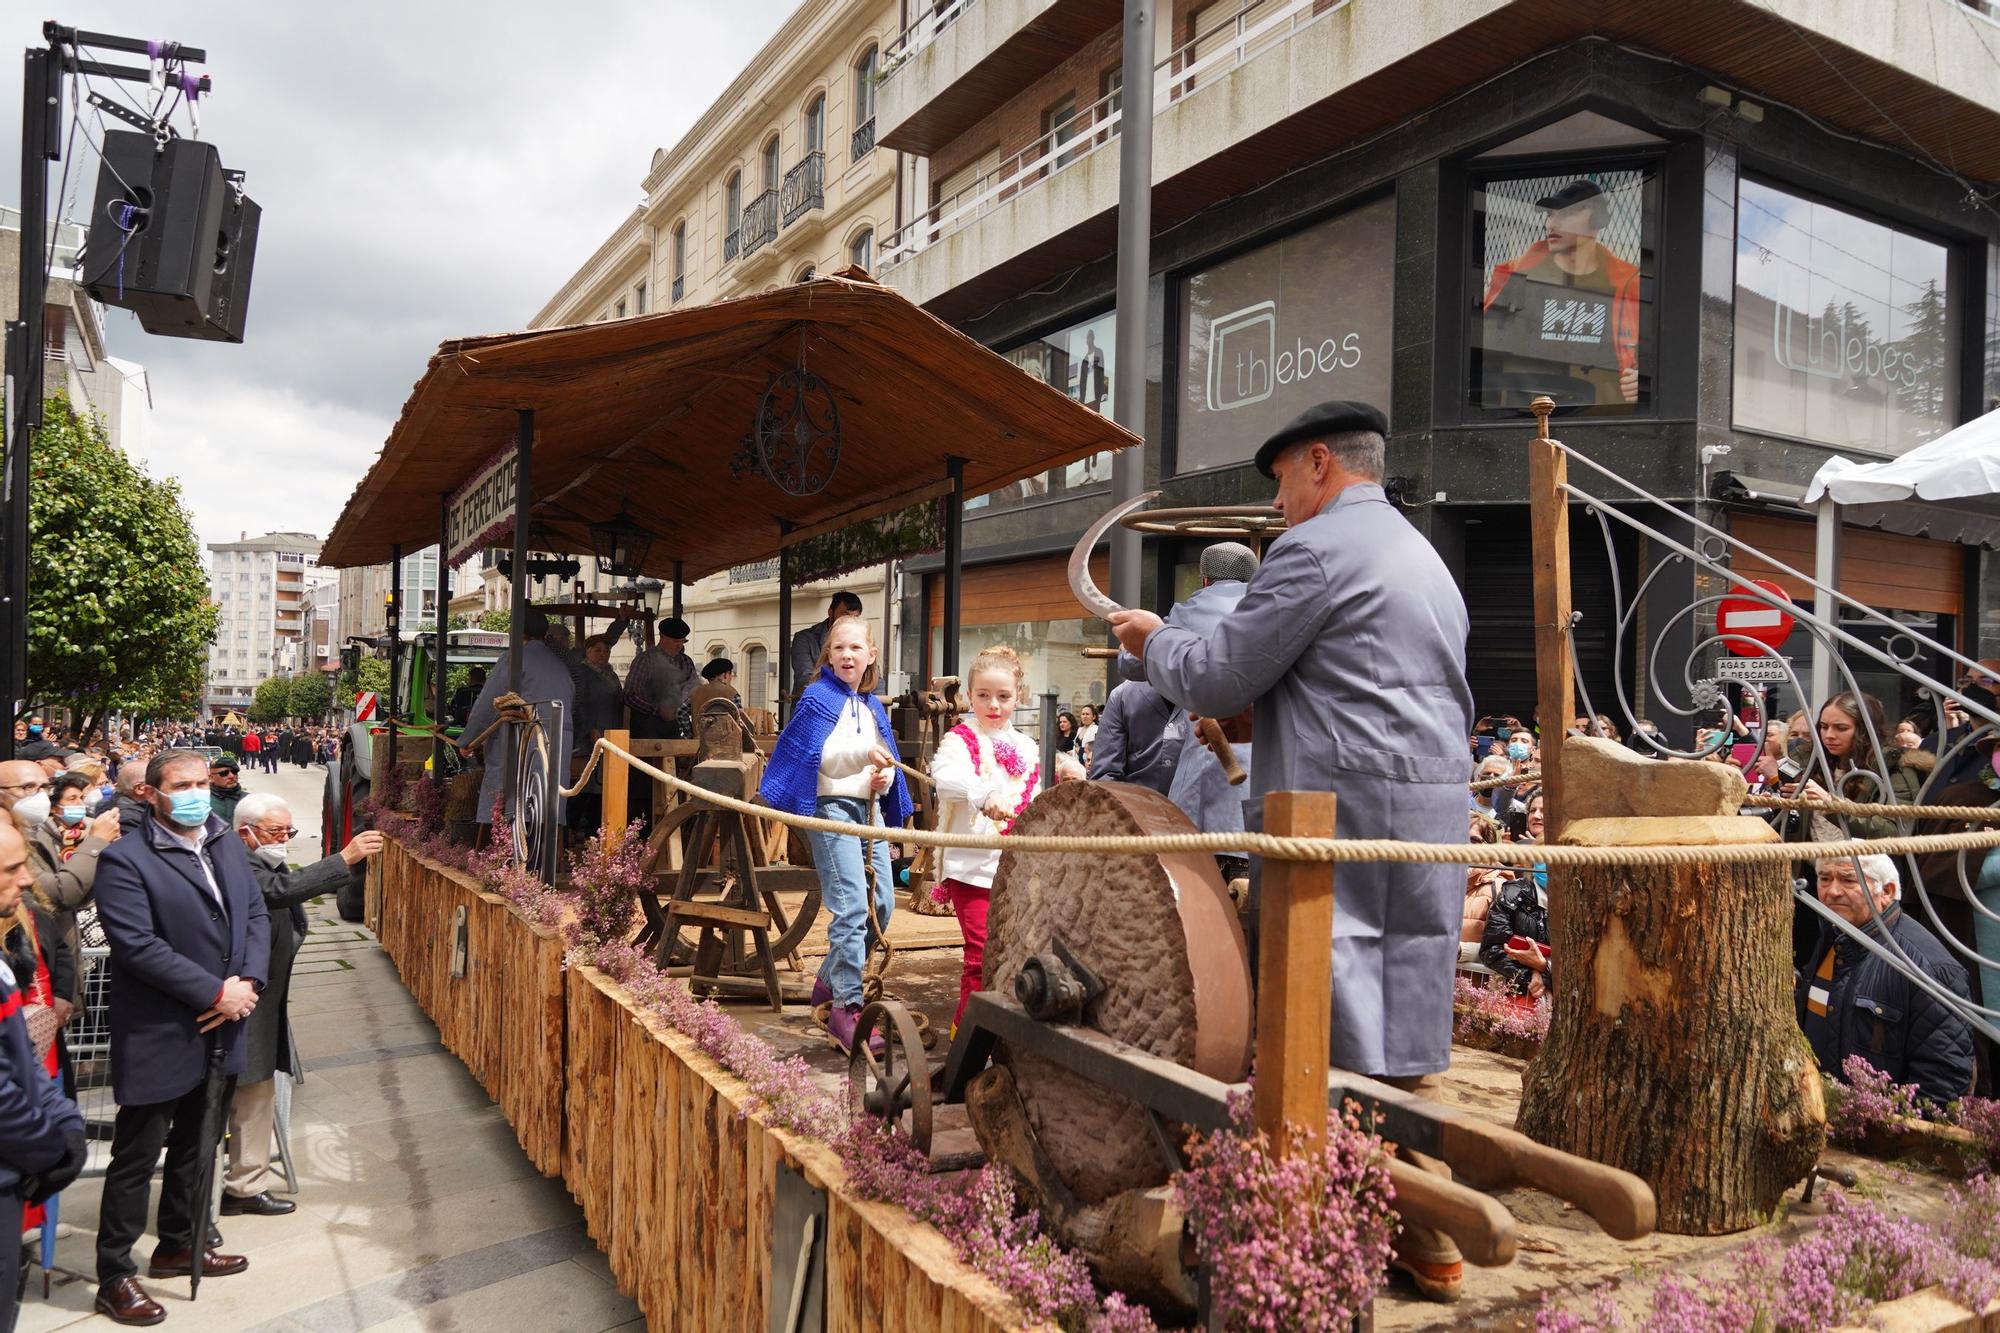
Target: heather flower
point(1866, 1100)
point(1481, 1011)
point(427, 803)
point(606, 879)
point(1980, 1117)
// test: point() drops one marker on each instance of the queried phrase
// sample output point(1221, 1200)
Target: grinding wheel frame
point(1160, 933)
point(895, 1086)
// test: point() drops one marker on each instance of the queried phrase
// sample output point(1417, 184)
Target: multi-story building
point(364, 596)
point(320, 610)
point(778, 180)
point(258, 585)
point(1779, 242)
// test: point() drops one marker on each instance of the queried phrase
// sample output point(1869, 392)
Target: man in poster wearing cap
point(1350, 645)
point(1580, 302)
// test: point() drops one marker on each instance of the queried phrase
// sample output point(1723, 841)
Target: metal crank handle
point(1481, 1228)
point(1209, 732)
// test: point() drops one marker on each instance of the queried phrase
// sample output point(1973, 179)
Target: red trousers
point(969, 902)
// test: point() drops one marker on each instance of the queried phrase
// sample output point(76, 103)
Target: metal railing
point(760, 223)
point(732, 242)
point(805, 186)
point(680, 283)
point(864, 139)
point(1258, 27)
point(922, 31)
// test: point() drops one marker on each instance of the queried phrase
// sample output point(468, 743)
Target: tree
point(118, 610)
point(499, 621)
point(311, 696)
point(273, 701)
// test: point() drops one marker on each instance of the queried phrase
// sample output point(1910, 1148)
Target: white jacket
point(963, 795)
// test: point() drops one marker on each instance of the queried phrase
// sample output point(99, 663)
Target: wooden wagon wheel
point(741, 889)
point(895, 1086)
point(534, 786)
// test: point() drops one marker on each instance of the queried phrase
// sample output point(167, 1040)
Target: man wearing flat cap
point(1349, 643)
point(1569, 305)
point(659, 682)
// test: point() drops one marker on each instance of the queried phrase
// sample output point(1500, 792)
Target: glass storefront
point(1080, 360)
point(1562, 278)
point(1052, 654)
point(1267, 334)
point(1846, 327)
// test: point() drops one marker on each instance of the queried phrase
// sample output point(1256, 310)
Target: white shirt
point(844, 767)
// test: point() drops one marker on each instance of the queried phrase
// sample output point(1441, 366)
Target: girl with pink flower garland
point(986, 773)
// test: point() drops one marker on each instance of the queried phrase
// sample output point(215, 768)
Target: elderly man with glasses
point(264, 822)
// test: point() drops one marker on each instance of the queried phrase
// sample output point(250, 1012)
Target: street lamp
point(621, 545)
point(644, 593)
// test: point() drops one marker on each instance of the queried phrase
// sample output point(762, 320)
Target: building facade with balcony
point(260, 586)
point(1778, 237)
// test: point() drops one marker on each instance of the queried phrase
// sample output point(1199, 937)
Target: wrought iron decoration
point(797, 437)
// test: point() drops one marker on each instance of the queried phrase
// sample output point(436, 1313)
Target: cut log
point(1673, 1051)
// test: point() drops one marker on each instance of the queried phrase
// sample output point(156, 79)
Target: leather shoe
point(256, 1205)
point(126, 1302)
point(177, 1262)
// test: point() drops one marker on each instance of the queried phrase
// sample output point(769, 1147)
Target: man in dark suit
point(190, 947)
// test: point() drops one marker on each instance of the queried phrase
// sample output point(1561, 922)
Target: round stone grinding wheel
point(1161, 934)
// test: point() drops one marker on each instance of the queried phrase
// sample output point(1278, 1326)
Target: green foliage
point(311, 696)
point(272, 702)
point(499, 620)
point(373, 675)
point(118, 610)
point(913, 531)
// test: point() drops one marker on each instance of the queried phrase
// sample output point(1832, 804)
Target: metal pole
point(677, 590)
point(395, 631)
point(1826, 571)
point(954, 564)
point(441, 658)
point(1048, 738)
point(517, 628)
point(785, 682)
point(41, 144)
point(1135, 233)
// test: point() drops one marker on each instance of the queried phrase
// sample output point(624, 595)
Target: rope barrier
point(1334, 850)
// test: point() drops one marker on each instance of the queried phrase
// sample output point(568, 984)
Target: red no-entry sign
point(1748, 618)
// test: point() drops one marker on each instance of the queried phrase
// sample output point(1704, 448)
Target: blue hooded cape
point(791, 774)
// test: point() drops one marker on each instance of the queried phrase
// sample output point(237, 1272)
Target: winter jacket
point(1877, 1013)
point(791, 774)
point(62, 888)
point(35, 1117)
point(1520, 908)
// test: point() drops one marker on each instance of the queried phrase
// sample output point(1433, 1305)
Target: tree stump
point(1673, 1050)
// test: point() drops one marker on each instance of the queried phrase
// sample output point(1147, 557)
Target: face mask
point(34, 730)
point(106, 792)
point(1518, 753)
point(71, 815)
point(190, 808)
point(32, 810)
point(272, 856)
point(1798, 751)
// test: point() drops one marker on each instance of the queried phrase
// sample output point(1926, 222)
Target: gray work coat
point(544, 677)
point(1350, 642)
point(1139, 737)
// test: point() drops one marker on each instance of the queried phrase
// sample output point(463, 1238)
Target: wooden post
point(1548, 473)
point(1294, 973)
point(617, 773)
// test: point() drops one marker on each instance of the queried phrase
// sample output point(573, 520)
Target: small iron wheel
point(895, 1086)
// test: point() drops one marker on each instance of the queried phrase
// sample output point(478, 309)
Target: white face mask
point(273, 856)
point(31, 810)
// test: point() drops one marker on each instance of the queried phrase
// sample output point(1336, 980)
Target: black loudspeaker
point(172, 237)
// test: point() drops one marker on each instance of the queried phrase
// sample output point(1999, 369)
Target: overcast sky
point(427, 169)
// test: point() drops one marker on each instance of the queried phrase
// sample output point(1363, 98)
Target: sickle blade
point(1087, 592)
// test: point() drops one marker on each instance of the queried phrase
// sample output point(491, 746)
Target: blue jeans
point(844, 886)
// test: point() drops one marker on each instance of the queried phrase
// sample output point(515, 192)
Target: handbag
point(42, 1028)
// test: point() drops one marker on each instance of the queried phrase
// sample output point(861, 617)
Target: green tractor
point(351, 777)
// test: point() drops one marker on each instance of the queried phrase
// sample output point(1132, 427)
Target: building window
point(861, 251)
point(732, 214)
point(1847, 332)
point(805, 274)
point(1269, 333)
point(639, 298)
point(771, 172)
point(756, 690)
point(1080, 360)
point(680, 258)
point(815, 124)
point(1058, 128)
point(1110, 98)
point(618, 311)
point(1562, 279)
point(864, 103)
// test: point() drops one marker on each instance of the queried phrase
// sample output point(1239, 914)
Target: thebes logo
point(1245, 365)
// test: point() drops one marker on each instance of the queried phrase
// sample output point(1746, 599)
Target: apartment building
point(781, 178)
point(259, 586)
point(1795, 243)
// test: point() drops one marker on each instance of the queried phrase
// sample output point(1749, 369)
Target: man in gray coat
point(1350, 644)
point(1139, 737)
point(545, 681)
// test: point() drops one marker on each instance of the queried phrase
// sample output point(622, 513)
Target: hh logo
point(1241, 348)
point(1574, 321)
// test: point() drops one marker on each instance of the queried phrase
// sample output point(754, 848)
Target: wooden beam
point(1294, 974)
point(1548, 505)
point(616, 775)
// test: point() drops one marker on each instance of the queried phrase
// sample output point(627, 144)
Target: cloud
point(426, 171)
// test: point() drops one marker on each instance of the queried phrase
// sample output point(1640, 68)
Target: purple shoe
point(840, 1025)
point(821, 993)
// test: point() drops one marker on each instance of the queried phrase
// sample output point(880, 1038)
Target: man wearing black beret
point(1350, 645)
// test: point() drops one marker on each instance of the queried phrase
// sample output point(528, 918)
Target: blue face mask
point(190, 808)
point(1518, 753)
point(34, 730)
point(71, 815)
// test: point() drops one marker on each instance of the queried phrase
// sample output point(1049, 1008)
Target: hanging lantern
point(621, 545)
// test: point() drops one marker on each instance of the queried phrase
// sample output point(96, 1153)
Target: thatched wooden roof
point(649, 412)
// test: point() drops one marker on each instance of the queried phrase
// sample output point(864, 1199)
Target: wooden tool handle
point(1102, 653)
point(1619, 1201)
point(1481, 1228)
point(1209, 731)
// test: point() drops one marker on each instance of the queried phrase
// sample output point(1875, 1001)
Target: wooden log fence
point(675, 1173)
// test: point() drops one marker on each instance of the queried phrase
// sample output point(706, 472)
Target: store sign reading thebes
point(483, 508)
point(1245, 365)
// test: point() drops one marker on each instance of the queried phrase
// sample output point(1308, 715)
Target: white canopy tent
point(1948, 490)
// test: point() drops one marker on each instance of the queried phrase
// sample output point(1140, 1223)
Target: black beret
point(717, 666)
point(673, 627)
point(1570, 195)
point(1316, 423)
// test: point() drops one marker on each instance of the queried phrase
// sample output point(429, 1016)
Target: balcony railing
point(680, 283)
point(923, 30)
point(805, 187)
point(760, 222)
point(864, 139)
point(731, 243)
point(1257, 28)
